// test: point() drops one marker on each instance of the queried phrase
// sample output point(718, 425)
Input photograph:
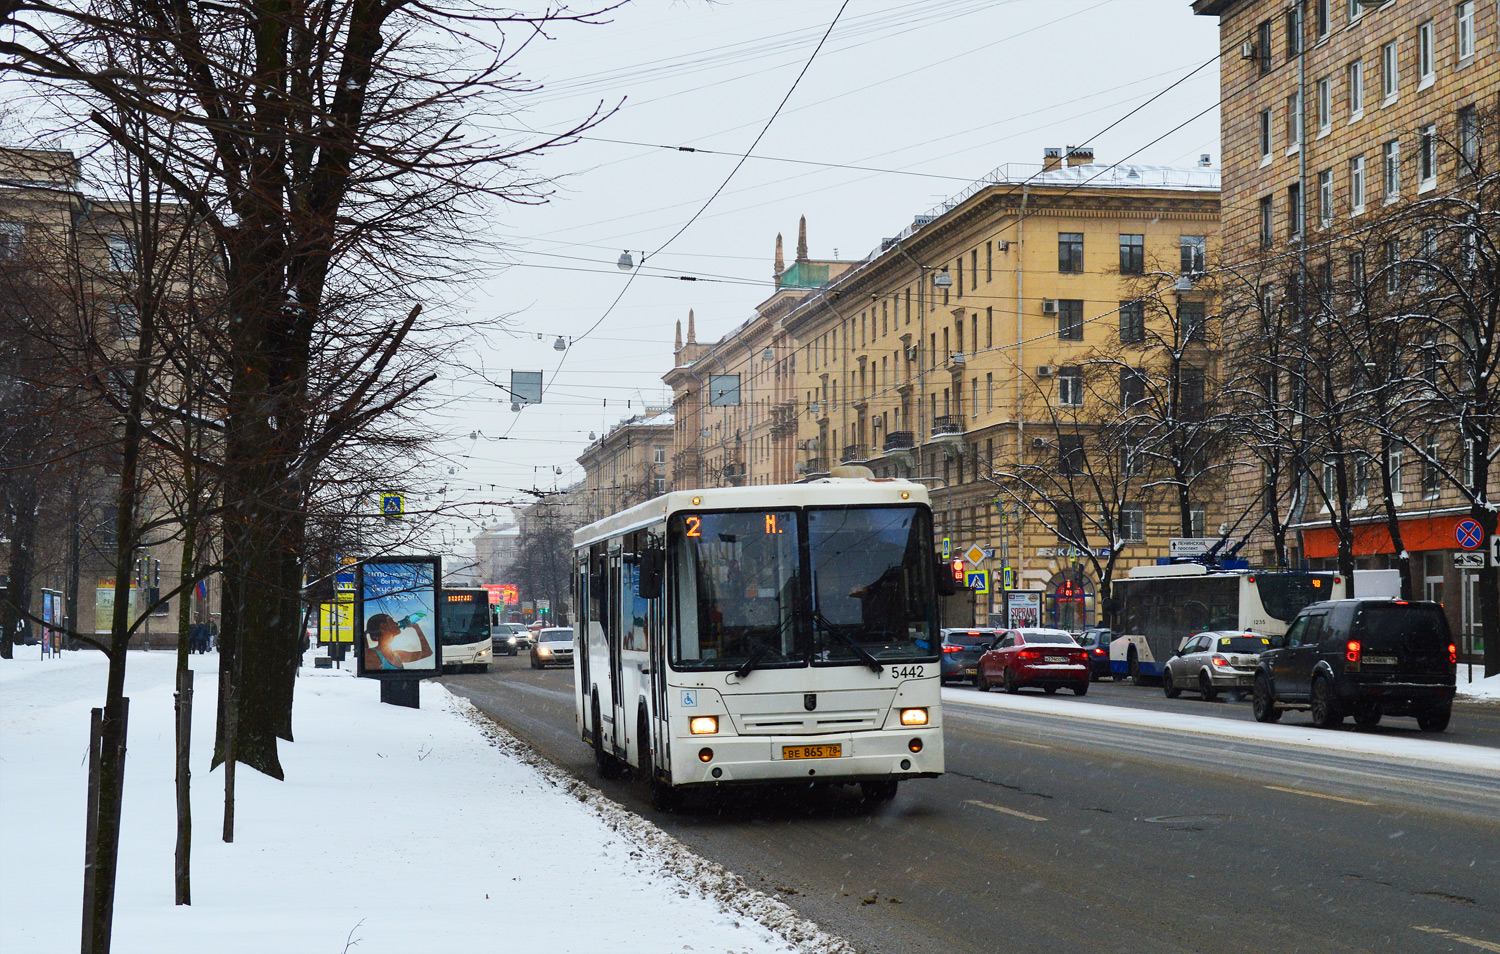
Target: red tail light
point(953, 649)
point(1098, 652)
point(1453, 654)
point(1220, 661)
point(1029, 654)
point(1352, 651)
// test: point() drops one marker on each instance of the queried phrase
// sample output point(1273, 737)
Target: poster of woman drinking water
point(398, 616)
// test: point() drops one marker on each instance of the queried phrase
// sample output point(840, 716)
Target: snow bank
point(396, 830)
point(1481, 689)
point(1425, 749)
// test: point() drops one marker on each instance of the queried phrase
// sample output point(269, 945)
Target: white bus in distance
point(464, 629)
point(783, 633)
point(1161, 606)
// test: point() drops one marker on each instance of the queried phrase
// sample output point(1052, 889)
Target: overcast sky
point(933, 94)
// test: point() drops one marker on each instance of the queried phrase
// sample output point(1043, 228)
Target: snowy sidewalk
point(396, 830)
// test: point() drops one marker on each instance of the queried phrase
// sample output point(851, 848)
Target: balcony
point(816, 466)
point(948, 433)
point(734, 474)
point(899, 440)
point(854, 453)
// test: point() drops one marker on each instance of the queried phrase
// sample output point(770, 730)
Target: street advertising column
point(396, 619)
point(1025, 608)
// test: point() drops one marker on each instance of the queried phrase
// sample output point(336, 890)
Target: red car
point(1049, 658)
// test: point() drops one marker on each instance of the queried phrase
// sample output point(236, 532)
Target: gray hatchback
point(961, 651)
point(1214, 661)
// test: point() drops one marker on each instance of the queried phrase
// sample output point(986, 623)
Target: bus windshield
point(1285, 594)
point(466, 619)
point(742, 597)
point(871, 576)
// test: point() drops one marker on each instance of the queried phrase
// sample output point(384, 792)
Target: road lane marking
point(1003, 810)
point(1472, 942)
point(1034, 745)
point(1331, 798)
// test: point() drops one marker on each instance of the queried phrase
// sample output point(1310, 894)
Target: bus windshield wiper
point(753, 661)
point(864, 654)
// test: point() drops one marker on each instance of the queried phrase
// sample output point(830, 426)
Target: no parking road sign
point(1468, 533)
point(977, 580)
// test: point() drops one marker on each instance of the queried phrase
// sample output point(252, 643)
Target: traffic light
point(958, 571)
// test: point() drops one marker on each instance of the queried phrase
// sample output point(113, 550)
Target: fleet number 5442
point(907, 672)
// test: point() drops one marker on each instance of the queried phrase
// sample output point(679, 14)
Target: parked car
point(510, 638)
point(1362, 657)
point(1213, 661)
point(553, 647)
point(1095, 642)
point(1049, 658)
point(961, 651)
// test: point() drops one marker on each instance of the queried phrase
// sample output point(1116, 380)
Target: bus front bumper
point(863, 755)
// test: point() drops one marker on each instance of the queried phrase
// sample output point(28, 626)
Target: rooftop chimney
point(1051, 158)
point(1205, 160)
point(1080, 155)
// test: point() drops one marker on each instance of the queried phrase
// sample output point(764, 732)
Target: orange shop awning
point(1419, 533)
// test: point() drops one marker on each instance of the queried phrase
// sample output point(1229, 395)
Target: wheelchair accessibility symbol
point(689, 699)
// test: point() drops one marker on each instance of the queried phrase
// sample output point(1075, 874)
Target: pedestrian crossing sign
point(978, 580)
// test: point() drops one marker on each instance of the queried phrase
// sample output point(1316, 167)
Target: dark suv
point(1363, 657)
point(961, 651)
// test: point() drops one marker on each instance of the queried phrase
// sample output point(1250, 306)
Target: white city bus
point(1160, 606)
point(762, 634)
point(464, 629)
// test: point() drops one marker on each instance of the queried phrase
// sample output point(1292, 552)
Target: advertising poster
point(336, 619)
point(397, 617)
point(104, 604)
point(1025, 608)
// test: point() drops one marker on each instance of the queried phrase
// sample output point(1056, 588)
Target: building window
point(989, 261)
point(1070, 252)
point(1293, 31)
point(1069, 523)
point(1070, 319)
point(1426, 70)
point(1263, 46)
point(1431, 473)
point(121, 254)
point(1428, 264)
point(1356, 89)
point(1391, 170)
point(1353, 9)
point(1465, 15)
point(1192, 316)
point(1132, 527)
point(1131, 464)
point(1194, 253)
point(1070, 456)
point(1470, 466)
point(1132, 322)
point(1361, 477)
point(1320, 14)
point(11, 234)
point(1267, 235)
point(1198, 521)
point(1294, 122)
point(1390, 79)
point(1325, 106)
point(1132, 254)
point(1132, 387)
point(1325, 197)
point(1294, 211)
point(1468, 140)
point(1391, 252)
point(1070, 386)
point(959, 285)
point(1357, 185)
point(1265, 135)
point(1190, 404)
point(1357, 272)
point(989, 387)
point(659, 484)
point(1427, 157)
point(659, 454)
point(126, 321)
point(1393, 464)
point(1330, 483)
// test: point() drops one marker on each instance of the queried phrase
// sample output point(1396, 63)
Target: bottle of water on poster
point(411, 618)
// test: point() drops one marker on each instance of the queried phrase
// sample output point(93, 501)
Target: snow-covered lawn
point(396, 830)
point(1481, 689)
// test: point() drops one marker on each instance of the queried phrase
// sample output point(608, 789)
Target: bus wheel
point(1134, 665)
point(881, 791)
point(663, 795)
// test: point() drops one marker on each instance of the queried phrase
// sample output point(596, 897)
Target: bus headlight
point(704, 725)
point(913, 716)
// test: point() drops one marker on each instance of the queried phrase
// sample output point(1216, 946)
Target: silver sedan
point(1213, 661)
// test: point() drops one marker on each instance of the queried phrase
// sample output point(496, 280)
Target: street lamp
point(626, 262)
point(941, 279)
point(561, 344)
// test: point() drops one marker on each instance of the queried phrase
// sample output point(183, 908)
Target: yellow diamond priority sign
point(974, 555)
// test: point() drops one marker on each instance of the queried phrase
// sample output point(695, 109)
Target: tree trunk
point(1393, 521)
point(182, 870)
point(22, 563)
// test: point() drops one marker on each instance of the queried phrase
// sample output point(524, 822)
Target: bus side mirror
point(943, 573)
point(653, 572)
